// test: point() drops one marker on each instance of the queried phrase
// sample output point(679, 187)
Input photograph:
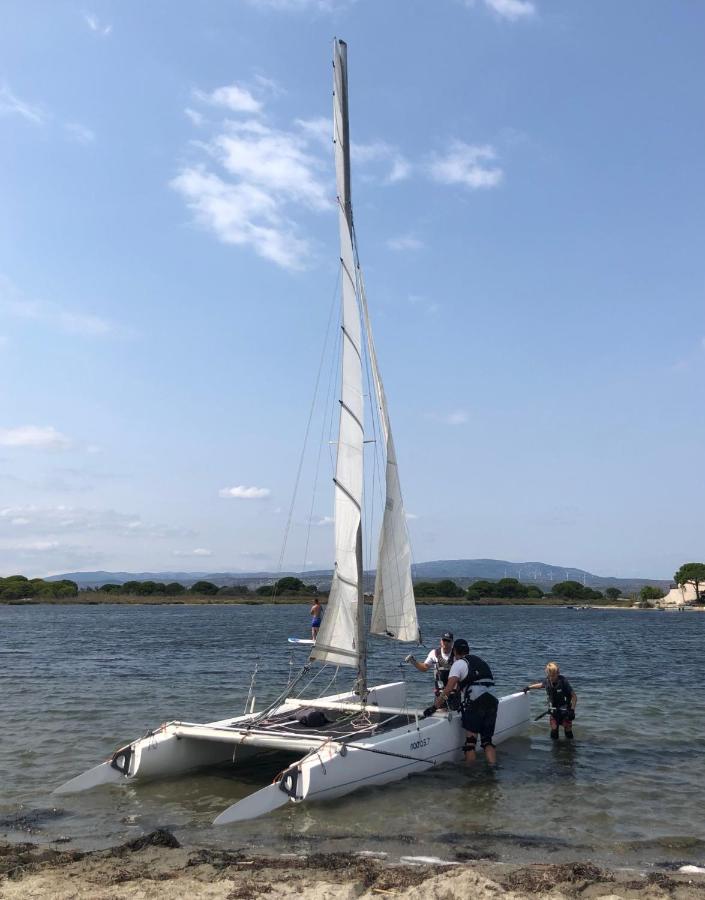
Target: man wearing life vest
point(469, 682)
point(440, 659)
point(561, 700)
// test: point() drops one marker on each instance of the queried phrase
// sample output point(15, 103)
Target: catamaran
point(368, 735)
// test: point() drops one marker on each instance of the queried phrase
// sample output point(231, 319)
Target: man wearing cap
point(440, 659)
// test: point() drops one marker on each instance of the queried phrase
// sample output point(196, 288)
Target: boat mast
point(344, 198)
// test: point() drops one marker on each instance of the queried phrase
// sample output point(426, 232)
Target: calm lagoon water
point(78, 681)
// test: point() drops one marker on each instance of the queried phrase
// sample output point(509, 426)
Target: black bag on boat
point(311, 718)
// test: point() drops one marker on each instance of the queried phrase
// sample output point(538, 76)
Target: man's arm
point(422, 667)
point(533, 687)
point(448, 689)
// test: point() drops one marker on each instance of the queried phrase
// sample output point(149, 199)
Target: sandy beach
point(156, 866)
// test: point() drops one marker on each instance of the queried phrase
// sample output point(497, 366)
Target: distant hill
point(462, 571)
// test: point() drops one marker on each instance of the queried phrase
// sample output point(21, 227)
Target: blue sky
point(528, 192)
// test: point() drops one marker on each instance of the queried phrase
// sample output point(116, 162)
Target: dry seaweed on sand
point(541, 877)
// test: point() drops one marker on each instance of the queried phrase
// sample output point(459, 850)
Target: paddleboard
point(308, 641)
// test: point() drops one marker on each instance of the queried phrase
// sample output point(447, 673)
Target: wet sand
point(156, 866)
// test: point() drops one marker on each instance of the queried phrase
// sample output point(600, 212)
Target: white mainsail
point(394, 607)
point(339, 638)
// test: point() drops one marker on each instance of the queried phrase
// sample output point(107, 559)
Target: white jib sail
point(394, 607)
point(337, 640)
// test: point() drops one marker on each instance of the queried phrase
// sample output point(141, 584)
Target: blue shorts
point(315, 623)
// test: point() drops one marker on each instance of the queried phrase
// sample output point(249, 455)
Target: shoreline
point(156, 866)
point(107, 599)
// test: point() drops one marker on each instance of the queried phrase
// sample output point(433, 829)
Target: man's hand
point(526, 689)
point(410, 658)
point(429, 711)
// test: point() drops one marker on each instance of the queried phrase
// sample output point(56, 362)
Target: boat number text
point(422, 742)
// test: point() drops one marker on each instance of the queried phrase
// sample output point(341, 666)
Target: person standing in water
point(561, 700)
point(316, 613)
point(440, 659)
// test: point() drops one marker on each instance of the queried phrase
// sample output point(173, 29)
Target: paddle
point(263, 801)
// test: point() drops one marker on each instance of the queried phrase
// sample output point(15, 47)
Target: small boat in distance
point(367, 735)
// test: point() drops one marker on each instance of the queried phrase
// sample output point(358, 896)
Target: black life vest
point(559, 694)
point(478, 673)
point(442, 669)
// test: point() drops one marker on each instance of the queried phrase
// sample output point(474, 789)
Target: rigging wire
point(287, 527)
point(326, 407)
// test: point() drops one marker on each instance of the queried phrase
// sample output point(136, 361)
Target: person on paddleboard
point(561, 700)
point(440, 659)
point(468, 688)
point(316, 613)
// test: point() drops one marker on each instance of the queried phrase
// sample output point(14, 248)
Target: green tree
point(426, 589)
point(691, 573)
point(174, 588)
point(290, 585)
point(265, 590)
point(204, 587)
point(478, 590)
point(448, 588)
point(534, 592)
point(648, 592)
point(510, 588)
point(570, 590)
point(613, 593)
point(130, 587)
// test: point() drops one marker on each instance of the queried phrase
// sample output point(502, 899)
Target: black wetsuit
point(559, 699)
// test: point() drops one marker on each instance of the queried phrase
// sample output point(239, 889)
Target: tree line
point(17, 587)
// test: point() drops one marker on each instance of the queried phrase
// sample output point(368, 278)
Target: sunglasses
point(446, 640)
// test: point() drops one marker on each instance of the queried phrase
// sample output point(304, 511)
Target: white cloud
point(196, 117)
point(95, 25)
point(199, 551)
point(79, 133)
point(275, 161)
point(512, 10)
point(11, 105)
point(240, 492)
point(43, 437)
point(322, 520)
point(242, 214)
point(411, 516)
point(302, 5)
point(55, 316)
point(234, 97)
point(466, 164)
point(405, 242)
point(63, 519)
point(401, 170)
point(30, 546)
point(457, 417)
point(319, 130)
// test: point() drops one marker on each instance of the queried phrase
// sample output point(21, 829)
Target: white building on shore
point(681, 596)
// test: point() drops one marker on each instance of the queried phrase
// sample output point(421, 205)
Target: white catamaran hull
point(328, 766)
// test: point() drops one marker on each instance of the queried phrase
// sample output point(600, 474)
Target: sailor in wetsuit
point(469, 682)
point(316, 612)
point(440, 659)
point(561, 700)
